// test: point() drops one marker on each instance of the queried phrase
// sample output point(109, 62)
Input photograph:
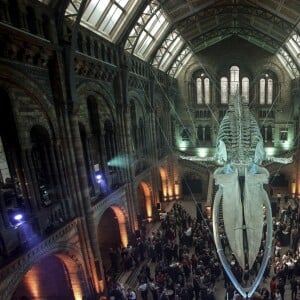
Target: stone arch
point(105, 111)
point(13, 124)
point(15, 94)
point(111, 234)
point(12, 81)
point(277, 74)
point(34, 123)
point(100, 93)
point(273, 67)
point(145, 206)
point(68, 254)
point(66, 282)
point(42, 161)
point(104, 205)
point(136, 114)
point(138, 98)
point(122, 224)
point(223, 68)
point(193, 68)
point(164, 183)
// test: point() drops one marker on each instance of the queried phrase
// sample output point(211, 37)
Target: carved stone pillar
point(55, 172)
point(126, 142)
point(83, 187)
point(67, 204)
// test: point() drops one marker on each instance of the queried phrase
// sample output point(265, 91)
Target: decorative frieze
point(26, 49)
point(94, 68)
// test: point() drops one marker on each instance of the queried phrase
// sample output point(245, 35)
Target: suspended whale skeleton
point(240, 180)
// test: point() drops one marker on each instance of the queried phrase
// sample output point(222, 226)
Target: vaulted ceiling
point(265, 23)
point(152, 29)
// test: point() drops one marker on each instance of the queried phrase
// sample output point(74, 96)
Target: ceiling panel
point(267, 22)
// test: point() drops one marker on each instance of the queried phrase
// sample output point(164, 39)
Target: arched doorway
point(53, 277)
point(14, 193)
point(112, 236)
point(164, 184)
point(145, 203)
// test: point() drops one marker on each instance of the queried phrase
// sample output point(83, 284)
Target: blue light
point(18, 217)
point(98, 178)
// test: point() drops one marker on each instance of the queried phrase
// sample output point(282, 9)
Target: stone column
point(87, 228)
point(56, 174)
point(295, 95)
point(126, 143)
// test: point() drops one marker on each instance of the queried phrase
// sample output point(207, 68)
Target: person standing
point(277, 295)
point(143, 288)
point(294, 288)
point(281, 287)
point(273, 287)
point(131, 295)
point(153, 288)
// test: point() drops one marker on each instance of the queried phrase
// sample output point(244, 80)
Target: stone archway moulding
point(63, 242)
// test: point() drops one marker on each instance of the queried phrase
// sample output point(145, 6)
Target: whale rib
point(232, 212)
point(254, 197)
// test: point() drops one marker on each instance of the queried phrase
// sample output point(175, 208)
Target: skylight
point(146, 33)
point(168, 51)
point(183, 57)
point(288, 63)
point(103, 16)
point(293, 45)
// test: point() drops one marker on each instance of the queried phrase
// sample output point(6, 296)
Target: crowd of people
point(179, 261)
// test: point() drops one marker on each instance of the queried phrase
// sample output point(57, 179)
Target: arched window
point(234, 84)
point(224, 90)
point(199, 91)
point(245, 89)
point(262, 91)
point(266, 89)
point(203, 89)
point(270, 91)
point(206, 91)
point(234, 80)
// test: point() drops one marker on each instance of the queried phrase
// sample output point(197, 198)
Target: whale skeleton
point(240, 181)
